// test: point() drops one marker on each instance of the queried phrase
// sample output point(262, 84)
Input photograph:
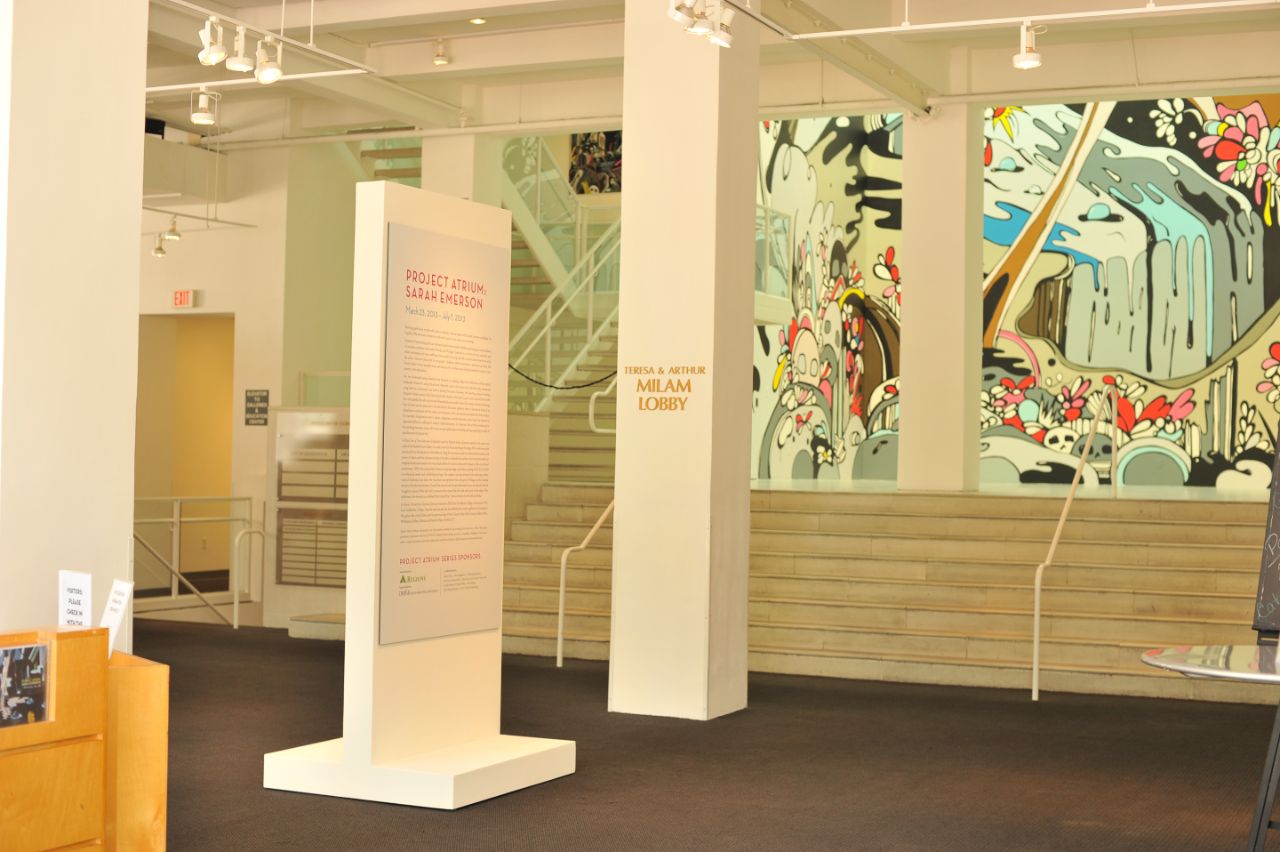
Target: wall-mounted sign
point(664, 387)
point(184, 298)
point(256, 403)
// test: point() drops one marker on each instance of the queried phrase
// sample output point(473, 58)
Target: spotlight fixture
point(722, 35)
point(1027, 58)
point(204, 107)
point(269, 70)
point(441, 58)
point(477, 21)
point(173, 233)
point(239, 60)
point(212, 51)
point(702, 24)
point(681, 11)
point(159, 251)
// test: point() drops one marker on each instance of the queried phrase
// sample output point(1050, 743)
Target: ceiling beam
point(850, 55)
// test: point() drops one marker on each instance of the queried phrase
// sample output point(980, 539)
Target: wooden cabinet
point(94, 773)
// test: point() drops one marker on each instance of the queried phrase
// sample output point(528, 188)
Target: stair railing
point(179, 577)
point(1114, 399)
point(591, 409)
point(564, 570)
point(555, 317)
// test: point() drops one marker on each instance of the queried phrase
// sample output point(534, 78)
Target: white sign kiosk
point(422, 692)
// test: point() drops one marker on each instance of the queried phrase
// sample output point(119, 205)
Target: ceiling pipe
point(248, 81)
point(1018, 20)
point(610, 122)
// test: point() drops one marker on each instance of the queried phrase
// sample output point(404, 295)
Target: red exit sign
point(184, 298)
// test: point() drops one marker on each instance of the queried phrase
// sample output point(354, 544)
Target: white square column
point(681, 537)
point(942, 300)
point(71, 134)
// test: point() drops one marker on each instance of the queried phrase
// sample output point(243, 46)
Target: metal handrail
point(564, 568)
point(1062, 520)
point(604, 326)
point(576, 281)
point(181, 579)
point(591, 409)
point(235, 566)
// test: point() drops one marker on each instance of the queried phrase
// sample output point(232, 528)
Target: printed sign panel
point(24, 685)
point(444, 435)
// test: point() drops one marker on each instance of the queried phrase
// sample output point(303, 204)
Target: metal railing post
point(178, 577)
point(546, 358)
point(175, 545)
point(235, 571)
point(1115, 442)
point(1053, 547)
point(564, 568)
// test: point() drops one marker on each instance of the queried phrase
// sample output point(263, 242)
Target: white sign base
point(422, 687)
point(447, 779)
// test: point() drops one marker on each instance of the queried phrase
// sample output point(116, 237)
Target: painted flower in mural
point(1168, 117)
point(1156, 417)
point(1004, 118)
point(1247, 150)
point(1270, 384)
point(1248, 435)
point(886, 269)
point(1073, 398)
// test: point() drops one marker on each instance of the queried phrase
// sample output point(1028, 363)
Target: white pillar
point(681, 535)
point(942, 300)
point(71, 93)
point(465, 165)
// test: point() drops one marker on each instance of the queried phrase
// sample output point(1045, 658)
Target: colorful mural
point(826, 382)
point(1135, 245)
point(595, 161)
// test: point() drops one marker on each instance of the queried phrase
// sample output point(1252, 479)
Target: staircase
point(937, 589)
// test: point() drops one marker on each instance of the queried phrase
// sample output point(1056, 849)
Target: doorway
point(182, 454)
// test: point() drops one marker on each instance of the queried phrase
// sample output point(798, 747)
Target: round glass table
point(1246, 664)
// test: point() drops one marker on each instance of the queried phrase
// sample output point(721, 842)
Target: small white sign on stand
point(423, 659)
point(75, 599)
point(117, 606)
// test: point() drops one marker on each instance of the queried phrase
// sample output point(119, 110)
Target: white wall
point(319, 251)
point(238, 271)
point(70, 298)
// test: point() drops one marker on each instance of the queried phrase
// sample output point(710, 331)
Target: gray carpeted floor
point(813, 764)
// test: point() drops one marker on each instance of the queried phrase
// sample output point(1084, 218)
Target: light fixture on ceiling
point(212, 49)
point(239, 60)
point(204, 107)
point(477, 21)
point(269, 70)
point(159, 251)
point(441, 58)
point(681, 11)
point(722, 35)
point(1027, 58)
point(703, 24)
point(172, 233)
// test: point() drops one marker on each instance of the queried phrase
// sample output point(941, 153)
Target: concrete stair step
point(1137, 577)
point(1117, 601)
point(580, 474)
point(1156, 630)
point(952, 527)
point(547, 574)
point(1086, 506)
point(582, 440)
point(1011, 675)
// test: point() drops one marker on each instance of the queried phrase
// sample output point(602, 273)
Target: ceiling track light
point(172, 233)
point(158, 250)
point(239, 60)
point(441, 58)
point(269, 70)
point(477, 21)
point(212, 50)
point(204, 107)
point(722, 35)
point(1027, 57)
point(681, 11)
point(710, 18)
